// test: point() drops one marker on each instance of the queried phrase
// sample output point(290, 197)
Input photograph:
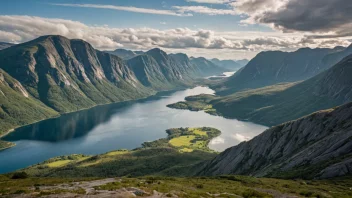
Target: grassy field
point(175, 155)
point(182, 141)
point(222, 186)
point(189, 139)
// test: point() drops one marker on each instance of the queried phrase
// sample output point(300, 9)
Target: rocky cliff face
point(315, 146)
point(273, 67)
point(160, 70)
point(68, 74)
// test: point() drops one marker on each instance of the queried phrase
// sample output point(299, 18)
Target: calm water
point(116, 126)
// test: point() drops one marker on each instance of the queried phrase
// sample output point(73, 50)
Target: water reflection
point(117, 126)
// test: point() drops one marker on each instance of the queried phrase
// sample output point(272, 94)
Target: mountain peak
point(156, 51)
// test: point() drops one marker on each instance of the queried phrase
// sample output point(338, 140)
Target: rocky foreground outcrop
point(315, 146)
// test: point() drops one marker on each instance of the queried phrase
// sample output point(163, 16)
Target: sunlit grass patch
point(90, 163)
point(199, 132)
point(59, 163)
point(118, 152)
point(186, 150)
point(182, 141)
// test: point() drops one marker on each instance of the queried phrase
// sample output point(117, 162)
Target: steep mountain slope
point(326, 90)
point(65, 75)
point(228, 64)
point(333, 58)
point(272, 67)
point(53, 74)
point(243, 62)
point(5, 45)
point(207, 67)
point(159, 70)
point(125, 54)
point(319, 145)
point(17, 107)
point(149, 72)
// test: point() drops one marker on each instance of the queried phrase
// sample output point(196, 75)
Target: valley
point(117, 126)
point(97, 115)
point(182, 99)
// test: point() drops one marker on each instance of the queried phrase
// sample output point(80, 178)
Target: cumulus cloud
point(207, 43)
point(329, 18)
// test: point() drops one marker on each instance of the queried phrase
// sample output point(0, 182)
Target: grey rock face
point(318, 145)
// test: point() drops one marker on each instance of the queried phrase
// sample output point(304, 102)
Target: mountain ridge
point(281, 151)
point(67, 75)
point(273, 67)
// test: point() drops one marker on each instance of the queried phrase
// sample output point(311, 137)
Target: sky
point(224, 29)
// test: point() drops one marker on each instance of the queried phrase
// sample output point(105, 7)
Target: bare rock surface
point(315, 146)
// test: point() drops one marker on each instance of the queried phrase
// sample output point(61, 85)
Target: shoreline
point(97, 105)
point(6, 145)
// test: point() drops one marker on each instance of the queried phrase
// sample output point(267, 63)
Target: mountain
point(273, 67)
point(242, 62)
point(152, 74)
point(52, 75)
point(207, 67)
point(315, 146)
point(5, 45)
point(159, 70)
point(228, 64)
point(125, 54)
point(274, 105)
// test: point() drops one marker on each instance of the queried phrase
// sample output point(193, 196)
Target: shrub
point(253, 193)
point(200, 186)
point(20, 175)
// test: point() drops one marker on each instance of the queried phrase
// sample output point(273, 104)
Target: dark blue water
point(116, 126)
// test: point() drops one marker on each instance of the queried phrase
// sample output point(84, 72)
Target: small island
point(200, 102)
point(186, 139)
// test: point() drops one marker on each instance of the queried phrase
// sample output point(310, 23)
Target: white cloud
point(210, 1)
point(207, 43)
point(126, 8)
point(217, 140)
point(204, 10)
point(240, 138)
point(176, 10)
point(325, 18)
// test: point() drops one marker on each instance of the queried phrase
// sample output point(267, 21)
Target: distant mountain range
point(233, 65)
point(5, 45)
point(52, 75)
point(273, 105)
point(273, 67)
point(315, 146)
point(228, 65)
point(125, 54)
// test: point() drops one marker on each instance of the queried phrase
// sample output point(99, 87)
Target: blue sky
point(125, 19)
point(227, 29)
